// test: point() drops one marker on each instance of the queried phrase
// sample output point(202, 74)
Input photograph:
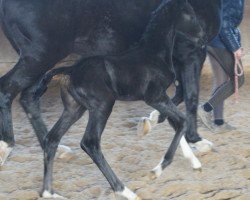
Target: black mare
point(45, 32)
point(142, 73)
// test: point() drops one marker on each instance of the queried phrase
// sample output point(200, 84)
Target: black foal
point(142, 73)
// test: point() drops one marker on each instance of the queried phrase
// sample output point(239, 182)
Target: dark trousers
point(222, 62)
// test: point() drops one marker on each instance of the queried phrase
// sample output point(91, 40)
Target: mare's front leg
point(91, 145)
point(178, 95)
point(190, 74)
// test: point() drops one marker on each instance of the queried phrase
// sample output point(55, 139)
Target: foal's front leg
point(91, 145)
point(168, 110)
point(153, 120)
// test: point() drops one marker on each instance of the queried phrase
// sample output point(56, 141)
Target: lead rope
point(238, 71)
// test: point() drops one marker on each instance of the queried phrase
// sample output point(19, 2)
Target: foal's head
point(170, 18)
point(187, 25)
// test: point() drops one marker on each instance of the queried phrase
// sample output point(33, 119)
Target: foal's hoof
point(128, 194)
point(144, 126)
point(197, 169)
point(64, 153)
point(4, 152)
point(154, 117)
point(152, 175)
point(48, 195)
point(155, 173)
point(202, 146)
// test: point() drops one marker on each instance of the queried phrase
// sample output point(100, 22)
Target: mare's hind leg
point(25, 73)
point(72, 112)
point(91, 145)
point(168, 110)
point(31, 107)
point(39, 52)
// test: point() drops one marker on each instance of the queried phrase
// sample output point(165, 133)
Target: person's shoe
point(206, 117)
point(223, 128)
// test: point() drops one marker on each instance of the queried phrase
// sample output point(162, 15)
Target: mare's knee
point(192, 102)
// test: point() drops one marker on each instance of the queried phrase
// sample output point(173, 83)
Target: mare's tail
point(46, 78)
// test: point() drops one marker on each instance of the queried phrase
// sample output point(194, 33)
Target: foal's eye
point(188, 17)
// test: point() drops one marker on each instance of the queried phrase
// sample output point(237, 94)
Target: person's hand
point(238, 53)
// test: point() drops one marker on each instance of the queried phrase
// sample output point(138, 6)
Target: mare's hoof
point(144, 126)
point(65, 153)
point(48, 195)
point(4, 152)
point(202, 146)
point(138, 198)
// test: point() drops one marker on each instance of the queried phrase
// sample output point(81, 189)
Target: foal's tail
point(46, 78)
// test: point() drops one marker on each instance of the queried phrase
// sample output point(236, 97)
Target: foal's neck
point(160, 28)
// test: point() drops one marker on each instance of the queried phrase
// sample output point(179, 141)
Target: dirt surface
point(225, 174)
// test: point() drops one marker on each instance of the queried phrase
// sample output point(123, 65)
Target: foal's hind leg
point(31, 107)
point(72, 112)
point(91, 145)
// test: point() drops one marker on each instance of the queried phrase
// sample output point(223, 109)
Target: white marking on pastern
point(127, 193)
point(188, 153)
point(47, 195)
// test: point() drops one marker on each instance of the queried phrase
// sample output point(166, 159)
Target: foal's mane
point(161, 23)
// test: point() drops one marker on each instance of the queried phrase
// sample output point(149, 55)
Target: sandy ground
point(225, 175)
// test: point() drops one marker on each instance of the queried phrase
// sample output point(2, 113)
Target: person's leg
point(219, 78)
point(224, 85)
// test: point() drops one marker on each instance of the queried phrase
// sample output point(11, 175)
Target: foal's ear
point(187, 13)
